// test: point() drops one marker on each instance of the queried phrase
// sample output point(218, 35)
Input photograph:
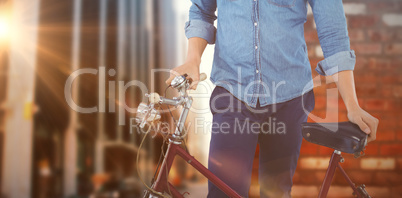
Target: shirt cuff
point(340, 61)
point(202, 29)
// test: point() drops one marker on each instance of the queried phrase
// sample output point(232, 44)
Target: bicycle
point(147, 113)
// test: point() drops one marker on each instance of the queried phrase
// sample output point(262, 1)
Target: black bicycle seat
point(342, 136)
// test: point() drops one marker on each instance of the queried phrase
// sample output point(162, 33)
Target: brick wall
point(375, 30)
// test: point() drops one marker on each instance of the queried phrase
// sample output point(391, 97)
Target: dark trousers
point(236, 131)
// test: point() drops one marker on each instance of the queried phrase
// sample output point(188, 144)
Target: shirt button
point(255, 24)
point(256, 47)
point(257, 71)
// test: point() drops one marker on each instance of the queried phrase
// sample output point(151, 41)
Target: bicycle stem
point(185, 101)
point(177, 135)
point(182, 85)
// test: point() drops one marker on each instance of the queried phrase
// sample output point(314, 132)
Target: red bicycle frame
point(334, 163)
point(147, 112)
point(162, 185)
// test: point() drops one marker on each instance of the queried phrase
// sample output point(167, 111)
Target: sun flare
point(4, 28)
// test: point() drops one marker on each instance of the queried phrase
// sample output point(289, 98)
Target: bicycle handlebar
point(145, 111)
point(178, 82)
point(203, 76)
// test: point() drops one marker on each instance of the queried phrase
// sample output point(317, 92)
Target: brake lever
point(185, 80)
point(189, 80)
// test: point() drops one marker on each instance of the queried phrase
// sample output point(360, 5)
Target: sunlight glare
point(4, 28)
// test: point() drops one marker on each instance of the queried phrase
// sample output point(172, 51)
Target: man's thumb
point(363, 126)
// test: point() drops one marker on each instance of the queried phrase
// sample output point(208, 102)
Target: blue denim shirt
point(260, 51)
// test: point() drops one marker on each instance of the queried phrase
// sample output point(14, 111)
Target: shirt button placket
point(256, 47)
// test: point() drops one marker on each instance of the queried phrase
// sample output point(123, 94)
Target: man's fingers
point(372, 123)
point(178, 72)
point(194, 82)
point(372, 137)
point(169, 80)
point(363, 126)
point(194, 85)
point(173, 74)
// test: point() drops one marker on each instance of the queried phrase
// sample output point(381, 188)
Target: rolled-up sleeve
point(340, 61)
point(332, 32)
point(201, 20)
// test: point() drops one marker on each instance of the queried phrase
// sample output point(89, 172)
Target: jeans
point(237, 129)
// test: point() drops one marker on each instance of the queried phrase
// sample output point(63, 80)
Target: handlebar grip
point(203, 76)
point(154, 98)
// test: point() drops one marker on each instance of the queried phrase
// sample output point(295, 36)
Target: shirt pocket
point(282, 3)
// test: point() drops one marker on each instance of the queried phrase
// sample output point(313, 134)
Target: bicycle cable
point(174, 120)
point(138, 168)
point(163, 154)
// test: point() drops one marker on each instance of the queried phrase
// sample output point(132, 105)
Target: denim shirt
point(260, 51)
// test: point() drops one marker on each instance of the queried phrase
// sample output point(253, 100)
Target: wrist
point(352, 105)
point(194, 61)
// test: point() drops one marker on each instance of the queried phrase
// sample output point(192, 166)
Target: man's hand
point(191, 68)
point(365, 121)
point(346, 86)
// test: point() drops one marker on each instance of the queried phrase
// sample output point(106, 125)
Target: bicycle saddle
point(342, 136)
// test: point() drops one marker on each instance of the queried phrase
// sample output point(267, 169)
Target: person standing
point(264, 83)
